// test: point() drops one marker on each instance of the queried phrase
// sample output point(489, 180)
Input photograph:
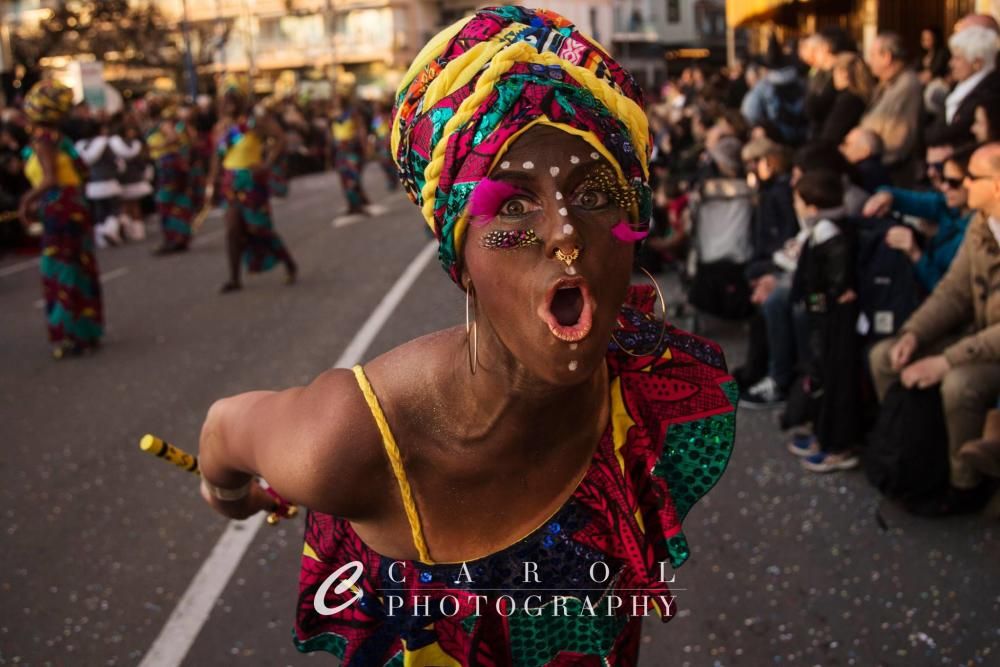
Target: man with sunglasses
point(953, 339)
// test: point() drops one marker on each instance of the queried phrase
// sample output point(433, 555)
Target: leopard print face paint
point(605, 179)
point(507, 239)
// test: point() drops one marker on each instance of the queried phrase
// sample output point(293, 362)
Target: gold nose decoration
point(567, 258)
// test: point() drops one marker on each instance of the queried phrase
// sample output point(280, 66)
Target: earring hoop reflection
point(663, 330)
point(471, 330)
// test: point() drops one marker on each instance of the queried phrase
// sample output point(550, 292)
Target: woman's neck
point(504, 397)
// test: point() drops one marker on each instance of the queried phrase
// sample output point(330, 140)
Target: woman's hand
point(878, 205)
point(902, 238)
point(256, 500)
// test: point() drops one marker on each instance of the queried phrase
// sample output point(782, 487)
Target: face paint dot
point(574, 159)
point(559, 195)
point(563, 211)
point(573, 365)
point(554, 171)
point(595, 155)
point(567, 229)
point(571, 270)
point(505, 164)
point(573, 346)
point(528, 165)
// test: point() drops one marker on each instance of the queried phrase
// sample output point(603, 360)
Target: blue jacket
point(943, 246)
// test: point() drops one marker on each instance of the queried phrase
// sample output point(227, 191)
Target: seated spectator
point(853, 87)
point(934, 56)
point(973, 68)
point(986, 126)
point(776, 103)
point(863, 150)
point(983, 454)
point(896, 108)
point(954, 339)
point(821, 156)
point(947, 208)
point(824, 284)
point(821, 93)
point(774, 225)
point(936, 157)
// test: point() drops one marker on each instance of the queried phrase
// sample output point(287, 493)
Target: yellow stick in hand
point(172, 454)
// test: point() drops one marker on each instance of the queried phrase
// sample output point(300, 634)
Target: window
point(673, 11)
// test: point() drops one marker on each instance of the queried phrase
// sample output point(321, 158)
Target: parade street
point(110, 557)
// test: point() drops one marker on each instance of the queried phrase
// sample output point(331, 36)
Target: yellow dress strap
point(389, 442)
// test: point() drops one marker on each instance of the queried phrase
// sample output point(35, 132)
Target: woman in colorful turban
point(169, 144)
point(241, 141)
point(509, 492)
point(70, 277)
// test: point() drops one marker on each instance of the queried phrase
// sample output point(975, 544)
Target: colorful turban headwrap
point(48, 102)
point(485, 80)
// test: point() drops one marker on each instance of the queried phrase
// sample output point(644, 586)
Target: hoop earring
point(663, 331)
point(470, 329)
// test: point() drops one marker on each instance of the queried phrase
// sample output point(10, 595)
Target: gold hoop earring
point(663, 330)
point(470, 329)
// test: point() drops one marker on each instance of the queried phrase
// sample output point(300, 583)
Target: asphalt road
point(101, 542)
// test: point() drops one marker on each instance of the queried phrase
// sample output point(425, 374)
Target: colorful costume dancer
point(168, 144)
point(70, 278)
point(349, 138)
point(245, 195)
point(603, 558)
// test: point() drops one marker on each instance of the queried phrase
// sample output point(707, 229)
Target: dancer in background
point(70, 278)
point(167, 147)
point(350, 139)
point(102, 188)
point(240, 142)
point(381, 127)
point(278, 182)
point(130, 150)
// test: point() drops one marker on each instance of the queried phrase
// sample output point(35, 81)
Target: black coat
point(959, 131)
point(774, 222)
point(820, 96)
point(844, 116)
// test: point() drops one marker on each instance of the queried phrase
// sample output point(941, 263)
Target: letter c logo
point(319, 601)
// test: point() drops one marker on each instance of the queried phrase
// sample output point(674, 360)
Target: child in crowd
point(824, 282)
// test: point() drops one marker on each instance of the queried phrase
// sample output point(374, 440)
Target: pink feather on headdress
point(626, 234)
point(487, 198)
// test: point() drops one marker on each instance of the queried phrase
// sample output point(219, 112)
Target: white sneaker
point(99, 240)
point(764, 394)
point(110, 230)
point(136, 229)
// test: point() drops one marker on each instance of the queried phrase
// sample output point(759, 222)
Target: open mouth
point(568, 310)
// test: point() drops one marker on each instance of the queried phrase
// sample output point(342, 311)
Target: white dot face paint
point(595, 155)
point(563, 212)
point(554, 171)
point(570, 270)
point(573, 346)
point(528, 165)
point(574, 159)
point(505, 164)
point(559, 196)
point(573, 365)
point(567, 229)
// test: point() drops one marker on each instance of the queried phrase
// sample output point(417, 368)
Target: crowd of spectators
point(848, 205)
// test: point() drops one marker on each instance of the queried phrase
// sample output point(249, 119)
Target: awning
point(739, 12)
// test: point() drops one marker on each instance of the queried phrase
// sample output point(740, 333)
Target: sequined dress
point(618, 537)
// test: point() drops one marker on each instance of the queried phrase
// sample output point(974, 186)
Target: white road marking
point(17, 268)
point(194, 607)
